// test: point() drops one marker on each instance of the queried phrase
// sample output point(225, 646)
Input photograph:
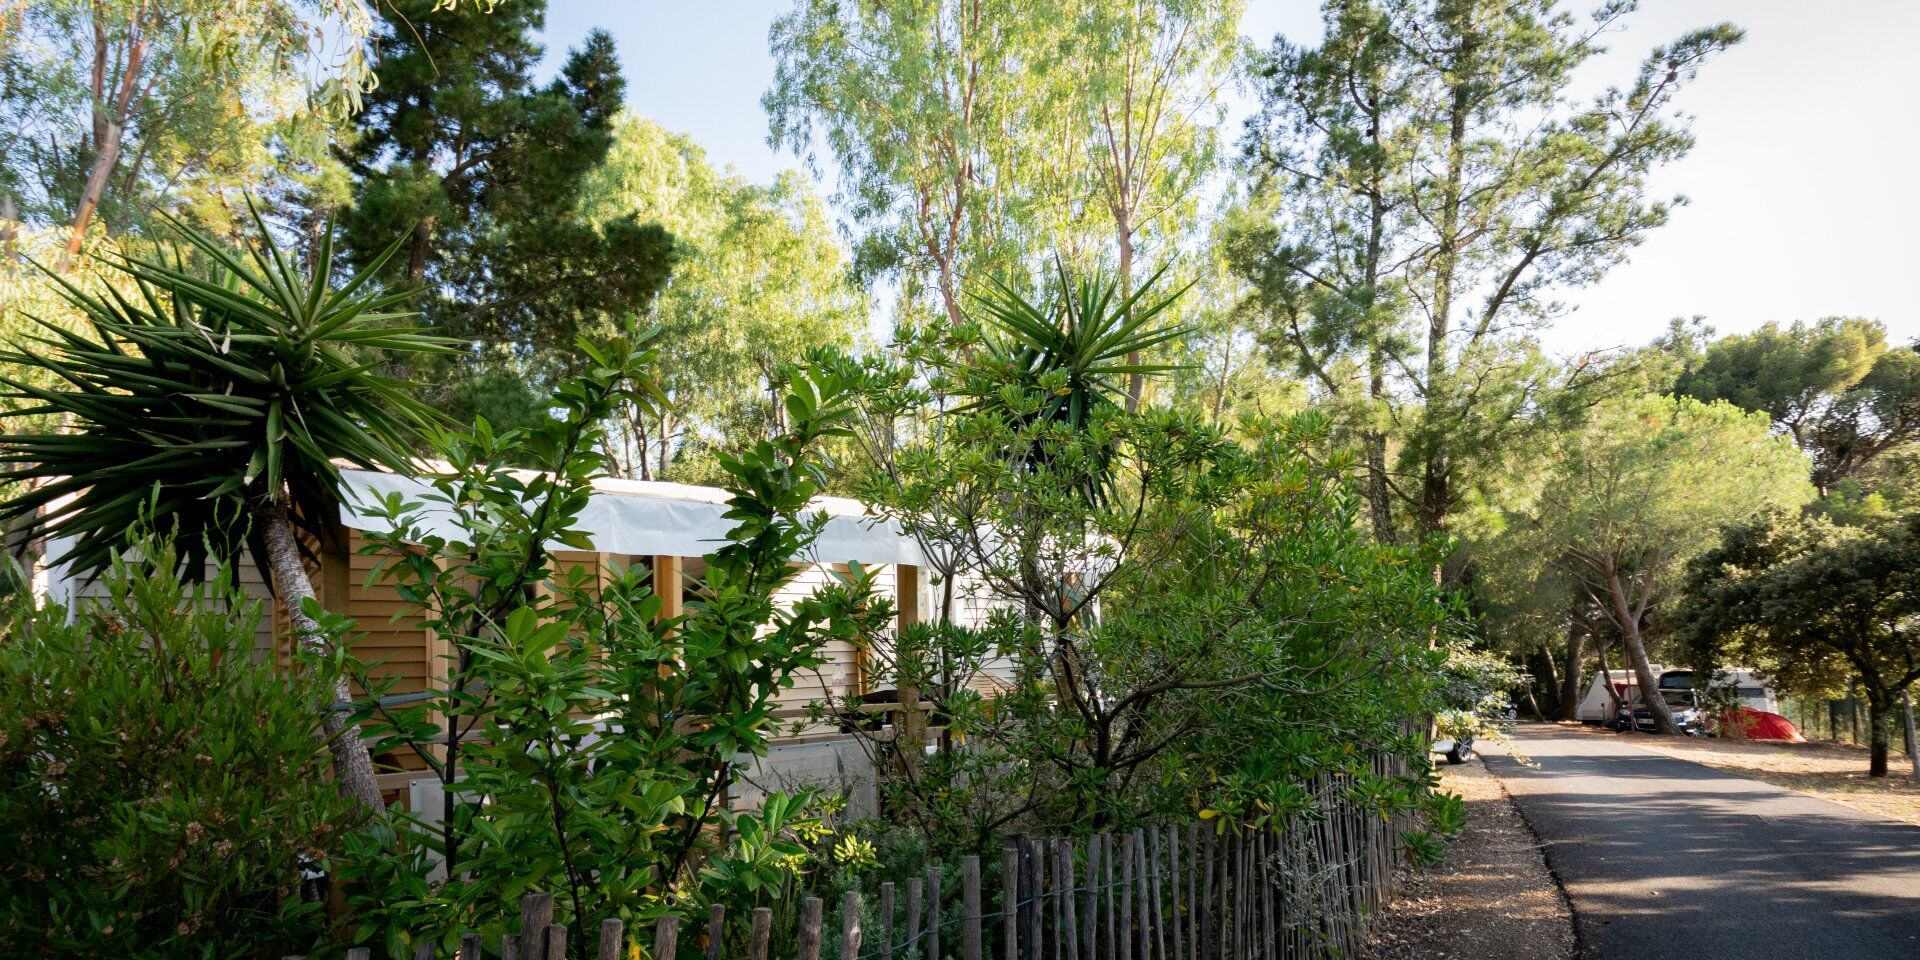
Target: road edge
point(1547, 857)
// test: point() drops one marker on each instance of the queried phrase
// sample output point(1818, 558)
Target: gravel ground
point(1833, 771)
point(1492, 899)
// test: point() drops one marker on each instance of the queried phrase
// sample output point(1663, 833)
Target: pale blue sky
point(1803, 186)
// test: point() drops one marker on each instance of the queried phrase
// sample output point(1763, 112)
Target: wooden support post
point(613, 932)
point(471, 946)
point(849, 927)
point(970, 945)
point(556, 942)
point(911, 733)
point(669, 584)
point(510, 946)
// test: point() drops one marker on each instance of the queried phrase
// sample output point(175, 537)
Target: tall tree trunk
point(1913, 739)
point(1123, 231)
point(352, 766)
point(1570, 680)
point(1636, 645)
point(1879, 717)
point(1552, 685)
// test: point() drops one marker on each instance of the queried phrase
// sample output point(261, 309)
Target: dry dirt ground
point(1492, 899)
point(1834, 771)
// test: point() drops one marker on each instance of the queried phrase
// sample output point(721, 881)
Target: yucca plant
point(215, 392)
point(1061, 361)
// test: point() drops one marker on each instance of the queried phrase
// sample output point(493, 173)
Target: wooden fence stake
point(666, 939)
point(810, 928)
point(886, 920)
point(358, 953)
point(536, 915)
point(849, 926)
point(1156, 862)
point(913, 916)
point(1010, 901)
point(1208, 896)
point(970, 905)
point(1128, 843)
point(762, 930)
point(470, 946)
point(933, 914)
point(1091, 922)
point(556, 942)
point(510, 946)
point(716, 930)
point(611, 933)
point(1068, 932)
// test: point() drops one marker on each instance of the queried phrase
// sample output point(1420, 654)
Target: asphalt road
point(1663, 858)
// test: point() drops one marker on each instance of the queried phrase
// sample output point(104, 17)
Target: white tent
point(1597, 705)
point(649, 517)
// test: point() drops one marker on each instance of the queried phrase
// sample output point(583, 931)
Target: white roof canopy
point(650, 518)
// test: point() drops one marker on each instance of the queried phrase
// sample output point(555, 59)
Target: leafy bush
point(596, 742)
point(1191, 619)
point(162, 789)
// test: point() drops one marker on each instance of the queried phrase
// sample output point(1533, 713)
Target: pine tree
point(481, 167)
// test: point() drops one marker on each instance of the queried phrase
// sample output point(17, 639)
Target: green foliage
point(1813, 604)
point(759, 279)
point(481, 170)
point(1188, 622)
point(1474, 688)
point(222, 381)
point(1832, 385)
point(1425, 151)
point(163, 789)
point(181, 105)
point(602, 738)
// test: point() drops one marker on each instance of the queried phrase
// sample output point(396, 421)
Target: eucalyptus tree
point(760, 277)
point(117, 105)
point(928, 107)
point(1144, 85)
point(217, 398)
point(1622, 503)
point(1457, 185)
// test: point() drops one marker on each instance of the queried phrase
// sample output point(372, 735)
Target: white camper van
point(1598, 706)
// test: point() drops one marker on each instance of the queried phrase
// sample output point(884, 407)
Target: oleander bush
point(163, 792)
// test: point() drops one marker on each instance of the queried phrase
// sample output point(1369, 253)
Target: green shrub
point(161, 786)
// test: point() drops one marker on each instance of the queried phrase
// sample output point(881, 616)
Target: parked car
point(1457, 749)
point(1686, 714)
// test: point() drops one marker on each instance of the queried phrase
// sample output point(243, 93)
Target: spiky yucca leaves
point(219, 381)
point(1052, 368)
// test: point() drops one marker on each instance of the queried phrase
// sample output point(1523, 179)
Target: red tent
point(1761, 725)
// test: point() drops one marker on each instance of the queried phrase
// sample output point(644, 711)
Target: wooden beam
point(669, 583)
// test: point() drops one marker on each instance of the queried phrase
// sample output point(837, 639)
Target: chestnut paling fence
point(1305, 889)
